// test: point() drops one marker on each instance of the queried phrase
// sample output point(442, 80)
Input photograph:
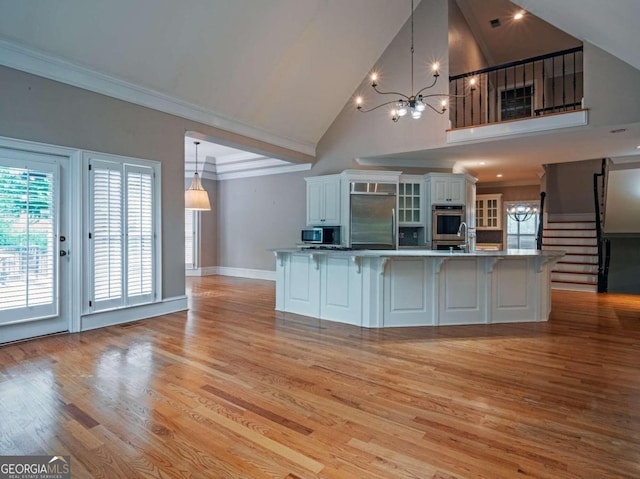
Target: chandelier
point(196, 197)
point(522, 213)
point(415, 103)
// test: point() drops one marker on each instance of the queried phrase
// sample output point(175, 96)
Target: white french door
point(34, 244)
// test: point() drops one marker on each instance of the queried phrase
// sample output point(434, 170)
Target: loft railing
point(540, 222)
point(604, 245)
point(536, 86)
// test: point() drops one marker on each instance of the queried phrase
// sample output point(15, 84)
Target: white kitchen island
point(388, 288)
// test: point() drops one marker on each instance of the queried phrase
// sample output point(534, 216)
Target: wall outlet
point(401, 235)
point(415, 235)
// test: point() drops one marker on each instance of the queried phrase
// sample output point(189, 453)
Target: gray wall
point(570, 187)
point(624, 269)
point(209, 250)
point(46, 111)
point(511, 193)
point(354, 134)
point(610, 88)
point(257, 214)
point(465, 54)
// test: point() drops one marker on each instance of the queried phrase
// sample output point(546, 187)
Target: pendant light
point(196, 197)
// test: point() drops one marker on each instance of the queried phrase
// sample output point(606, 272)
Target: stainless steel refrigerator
point(373, 218)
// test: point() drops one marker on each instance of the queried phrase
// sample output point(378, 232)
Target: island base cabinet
point(518, 292)
point(408, 293)
point(301, 285)
point(377, 290)
point(319, 286)
point(462, 295)
point(341, 290)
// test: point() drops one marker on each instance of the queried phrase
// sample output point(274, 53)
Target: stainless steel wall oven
point(446, 220)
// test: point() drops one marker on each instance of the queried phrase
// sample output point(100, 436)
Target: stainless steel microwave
point(321, 235)
point(446, 220)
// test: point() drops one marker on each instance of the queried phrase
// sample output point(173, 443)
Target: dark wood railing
point(604, 245)
point(536, 86)
point(540, 222)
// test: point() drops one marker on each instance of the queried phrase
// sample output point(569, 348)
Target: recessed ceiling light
point(518, 16)
point(638, 147)
point(484, 162)
point(499, 175)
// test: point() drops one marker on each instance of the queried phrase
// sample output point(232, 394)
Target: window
point(522, 234)
point(190, 238)
point(516, 103)
point(122, 233)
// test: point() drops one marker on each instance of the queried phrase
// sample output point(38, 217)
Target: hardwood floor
point(233, 390)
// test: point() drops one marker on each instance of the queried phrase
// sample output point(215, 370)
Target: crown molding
point(35, 62)
point(276, 170)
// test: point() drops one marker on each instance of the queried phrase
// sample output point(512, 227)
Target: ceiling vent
point(495, 23)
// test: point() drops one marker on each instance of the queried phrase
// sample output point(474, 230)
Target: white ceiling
point(281, 70)
point(220, 162)
point(525, 38)
point(283, 66)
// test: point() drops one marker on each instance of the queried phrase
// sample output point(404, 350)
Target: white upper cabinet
point(489, 212)
point(410, 201)
point(448, 189)
point(323, 200)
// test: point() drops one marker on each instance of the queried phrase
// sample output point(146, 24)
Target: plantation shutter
point(107, 234)
point(189, 243)
point(122, 235)
point(139, 227)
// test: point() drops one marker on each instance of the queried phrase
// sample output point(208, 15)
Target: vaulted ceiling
point(277, 70)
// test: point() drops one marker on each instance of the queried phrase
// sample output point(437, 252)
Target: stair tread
point(564, 281)
point(570, 237)
point(582, 263)
point(569, 229)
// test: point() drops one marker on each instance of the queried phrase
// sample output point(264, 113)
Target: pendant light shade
point(196, 197)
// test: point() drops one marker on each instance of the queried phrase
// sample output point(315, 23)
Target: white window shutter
point(106, 234)
point(139, 233)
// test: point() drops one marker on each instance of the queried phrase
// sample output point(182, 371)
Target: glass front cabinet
point(489, 212)
point(409, 201)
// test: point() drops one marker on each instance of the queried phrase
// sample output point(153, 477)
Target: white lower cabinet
point(400, 289)
point(462, 297)
point(320, 286)
point(341, 290)
point(408, 299)
point(302, 284)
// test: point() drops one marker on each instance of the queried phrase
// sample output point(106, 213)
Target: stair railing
point(540, 222)
point(604, 245)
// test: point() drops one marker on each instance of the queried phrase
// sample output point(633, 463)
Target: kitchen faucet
point(464, 246)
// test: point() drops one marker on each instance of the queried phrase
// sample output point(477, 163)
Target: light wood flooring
point(233, 390)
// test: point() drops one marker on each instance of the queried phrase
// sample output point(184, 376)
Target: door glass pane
point(28, 225)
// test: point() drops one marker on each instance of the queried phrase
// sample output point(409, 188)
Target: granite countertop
point(417, 253)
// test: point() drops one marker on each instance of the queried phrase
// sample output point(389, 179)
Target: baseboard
point(247, 273)
point(208, 271)
point(571, 217)
point(134, 313)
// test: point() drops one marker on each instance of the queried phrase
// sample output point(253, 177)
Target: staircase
point(578, 269)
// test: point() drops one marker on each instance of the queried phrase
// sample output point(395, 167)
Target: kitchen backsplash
point(488, 236)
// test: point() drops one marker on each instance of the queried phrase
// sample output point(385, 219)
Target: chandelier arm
point(389, 93)
point(428, 86)
point(360, 109)
point(432, 95)
point(439, 112)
